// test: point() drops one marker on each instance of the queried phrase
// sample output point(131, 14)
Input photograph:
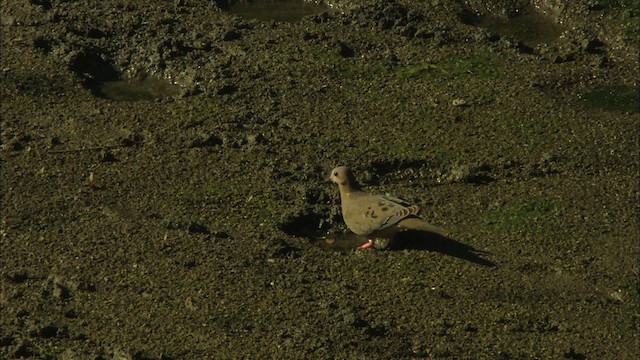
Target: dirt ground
point(187, 227)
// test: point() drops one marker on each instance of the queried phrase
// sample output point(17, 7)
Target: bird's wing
point(370, 213)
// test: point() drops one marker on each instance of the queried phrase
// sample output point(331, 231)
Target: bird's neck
point(348, 191)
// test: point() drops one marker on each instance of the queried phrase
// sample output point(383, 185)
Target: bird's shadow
point(421, 240)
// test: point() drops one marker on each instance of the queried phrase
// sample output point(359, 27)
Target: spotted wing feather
point(374, 213)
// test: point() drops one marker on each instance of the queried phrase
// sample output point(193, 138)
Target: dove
point(376, 216)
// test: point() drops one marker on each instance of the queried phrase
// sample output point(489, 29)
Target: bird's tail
point(416, 223)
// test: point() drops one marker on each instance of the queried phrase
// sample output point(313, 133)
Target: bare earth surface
point(186, 227)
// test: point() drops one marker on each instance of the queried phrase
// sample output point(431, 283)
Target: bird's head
point(342, 176)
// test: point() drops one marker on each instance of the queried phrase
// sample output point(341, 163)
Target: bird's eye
point(335, 174)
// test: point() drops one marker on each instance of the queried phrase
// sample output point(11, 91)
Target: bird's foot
point(366, 245)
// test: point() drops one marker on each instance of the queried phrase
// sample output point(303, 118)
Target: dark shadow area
point(419, 240)
point(307, 225)
point(93, 65)
point(469, 17)
point(272, 10)
point(315, 228)
point(528, 24)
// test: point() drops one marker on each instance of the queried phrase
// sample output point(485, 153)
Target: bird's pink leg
point(366, 245)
